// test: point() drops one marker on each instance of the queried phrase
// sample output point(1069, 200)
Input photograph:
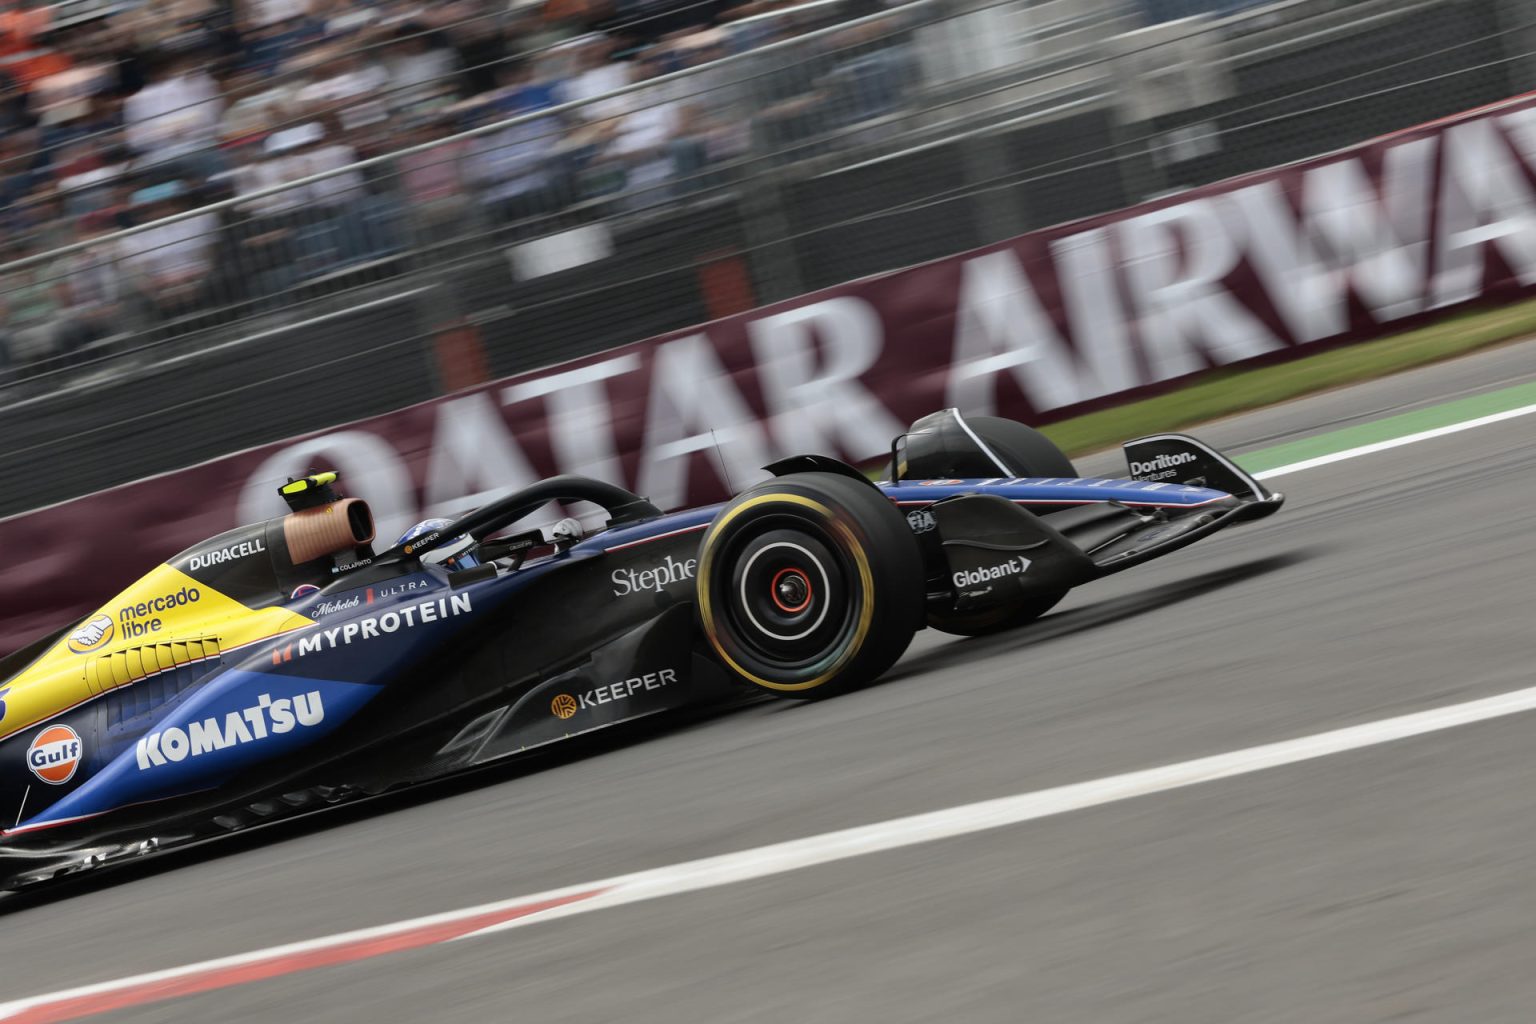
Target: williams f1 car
point(288, 665)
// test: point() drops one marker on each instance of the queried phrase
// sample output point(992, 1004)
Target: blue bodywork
point(284, 699)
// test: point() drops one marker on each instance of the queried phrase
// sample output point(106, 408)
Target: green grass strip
point(1225, 392)
point(1390, 428)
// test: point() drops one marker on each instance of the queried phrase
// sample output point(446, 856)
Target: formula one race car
point(287, 666)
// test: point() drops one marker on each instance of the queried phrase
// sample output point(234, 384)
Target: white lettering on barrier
point(815, 397)
point(1090, 292)
point(694, 406)
point(1379, 237)
point(1484, 198)
point(1001, 327)
point(1309, 294)
point(473, 457)
point(1177, 261)
point(580, 425)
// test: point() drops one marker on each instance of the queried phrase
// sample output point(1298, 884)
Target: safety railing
point(817, 155)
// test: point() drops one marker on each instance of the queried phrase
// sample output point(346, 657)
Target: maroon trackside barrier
point(1265, 267)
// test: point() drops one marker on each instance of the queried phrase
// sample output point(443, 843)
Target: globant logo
point(267, 718)
point(1161, 462)
point(986, 574)
point(632, 581)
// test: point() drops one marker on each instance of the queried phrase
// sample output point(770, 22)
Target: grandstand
point(209, 193)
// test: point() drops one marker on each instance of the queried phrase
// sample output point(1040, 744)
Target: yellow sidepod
point(164, 621)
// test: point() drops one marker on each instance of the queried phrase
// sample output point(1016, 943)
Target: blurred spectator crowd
point(115, 115)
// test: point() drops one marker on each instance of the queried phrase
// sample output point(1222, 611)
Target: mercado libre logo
point(95, 633)
point(55, 754)
point(563, 706)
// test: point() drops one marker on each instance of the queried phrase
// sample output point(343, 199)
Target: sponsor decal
point(267, 717)
point(421, 543)
point(144, 617)
point(921, 520)
point(3, 692)
point(55, 754)
point(634, 581)
point(564, 705)
point(937, 483)
point(1153, 468)
point(95, 633)
point(987, 573)
point(208, 559)
point(341, 604)
point(374, 626)
point(303, 590)
point(403, 588)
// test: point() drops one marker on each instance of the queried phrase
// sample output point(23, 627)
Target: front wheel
point(809, 585)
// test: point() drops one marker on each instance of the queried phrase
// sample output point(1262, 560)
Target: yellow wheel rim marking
point(866, 580)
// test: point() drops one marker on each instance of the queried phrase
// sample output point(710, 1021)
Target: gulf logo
point(55, 754)
point(94, 633)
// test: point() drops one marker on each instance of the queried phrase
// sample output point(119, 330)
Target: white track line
point(1396, 442)
point(796, 854)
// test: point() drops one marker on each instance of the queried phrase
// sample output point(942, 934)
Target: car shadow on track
point(1095, 616)
point(623, 735)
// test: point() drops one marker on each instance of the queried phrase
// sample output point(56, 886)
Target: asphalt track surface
point(1392, 883)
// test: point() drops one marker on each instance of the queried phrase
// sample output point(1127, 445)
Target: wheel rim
point(791, 590)
point(848, 594)
point(787, 602)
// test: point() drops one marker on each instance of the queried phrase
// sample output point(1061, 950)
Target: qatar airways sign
point(1265, 267)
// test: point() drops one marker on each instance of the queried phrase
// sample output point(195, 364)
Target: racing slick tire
point(995, 620)
point(1024, 450)
point(809, 585)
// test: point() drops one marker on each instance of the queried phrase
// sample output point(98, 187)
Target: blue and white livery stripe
point(1057, 491)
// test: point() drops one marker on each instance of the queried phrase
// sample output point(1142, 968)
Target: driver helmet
point(454, 555)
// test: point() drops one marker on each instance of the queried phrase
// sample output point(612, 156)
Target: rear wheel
point(809, 585)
